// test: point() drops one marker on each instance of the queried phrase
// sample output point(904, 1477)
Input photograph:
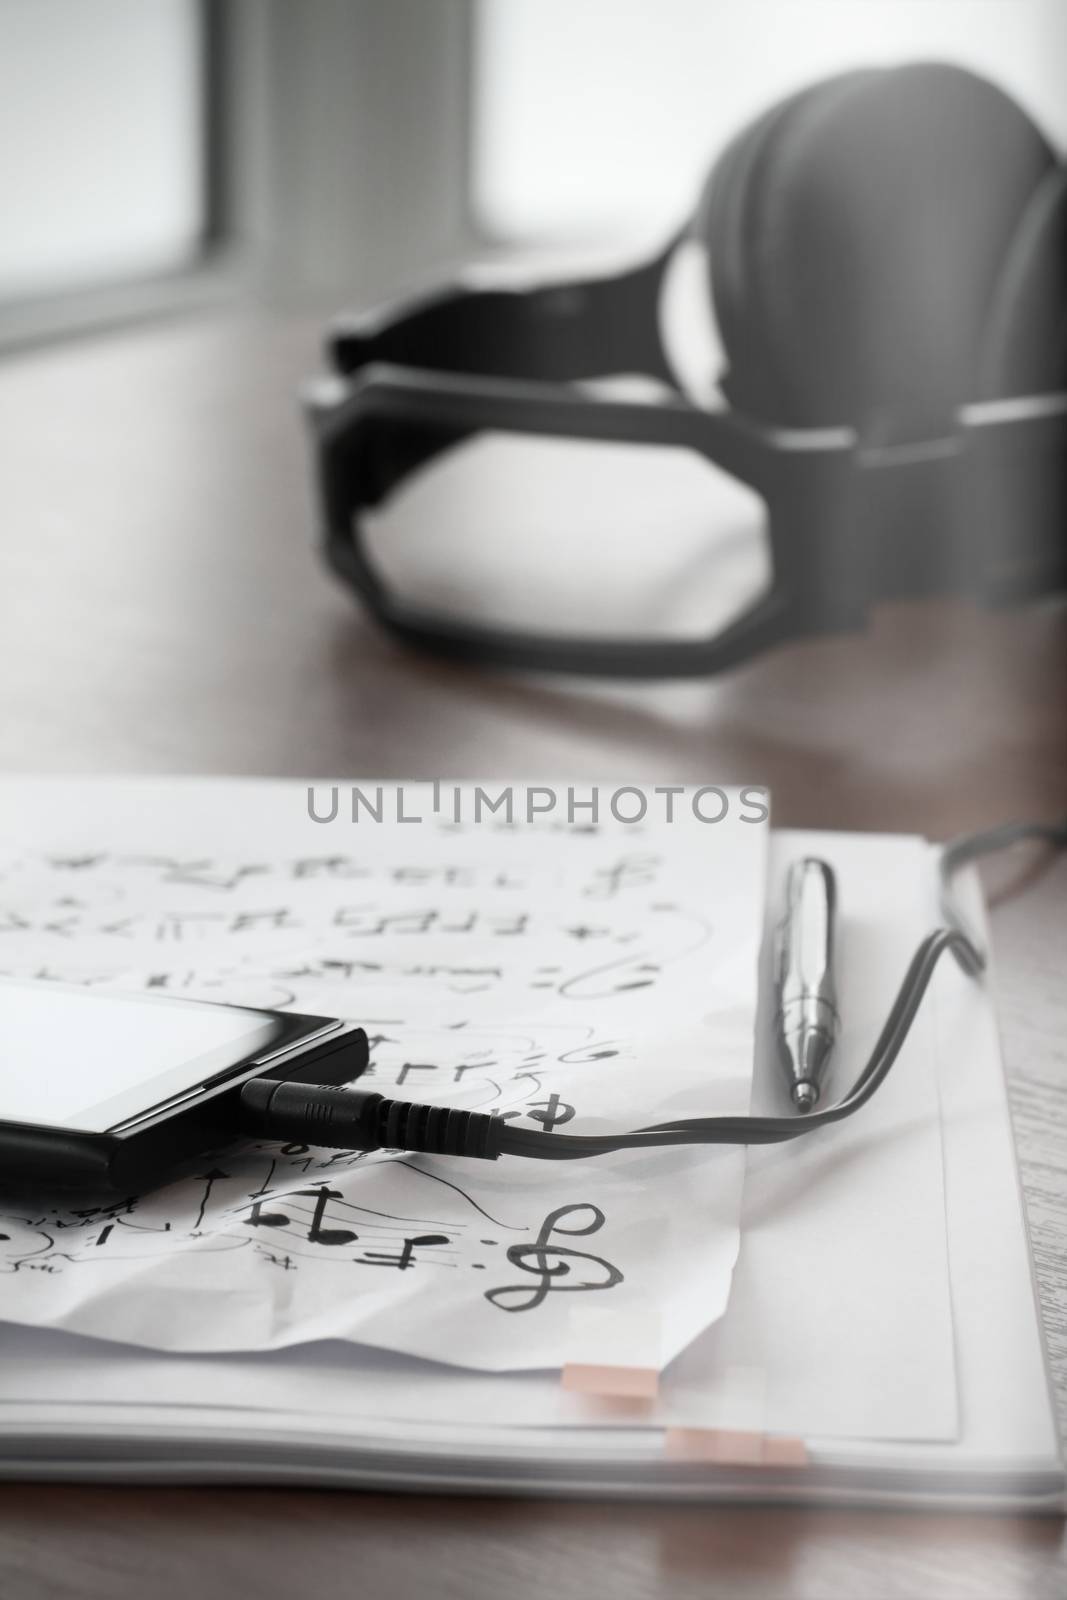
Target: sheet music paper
point(586, 978)
point(847, 1305)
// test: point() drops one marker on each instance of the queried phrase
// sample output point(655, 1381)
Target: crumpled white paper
point(575, 979)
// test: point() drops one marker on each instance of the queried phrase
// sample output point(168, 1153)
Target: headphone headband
point(892, 461)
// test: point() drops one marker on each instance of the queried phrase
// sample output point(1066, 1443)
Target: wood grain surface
point(161, 610)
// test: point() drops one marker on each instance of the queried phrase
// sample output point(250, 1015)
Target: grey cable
point(956, 937)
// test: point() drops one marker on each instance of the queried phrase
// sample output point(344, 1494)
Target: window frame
point(215, 272)
point(263, 132)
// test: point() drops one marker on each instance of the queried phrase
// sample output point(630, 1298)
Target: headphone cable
point(358, 1119)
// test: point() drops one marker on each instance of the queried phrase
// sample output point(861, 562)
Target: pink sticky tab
point(623, 1383)
point(785, 1453)
point(731, 1447)
point(735, 1448)
point(690, 1444)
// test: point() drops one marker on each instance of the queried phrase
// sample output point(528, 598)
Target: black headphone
point(888, 261)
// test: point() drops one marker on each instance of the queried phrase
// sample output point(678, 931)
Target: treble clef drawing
point(553, 1263)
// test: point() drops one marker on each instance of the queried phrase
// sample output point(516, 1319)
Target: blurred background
point(161, 153)
point(191, 188)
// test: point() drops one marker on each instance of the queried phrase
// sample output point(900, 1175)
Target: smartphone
point(110, 1093)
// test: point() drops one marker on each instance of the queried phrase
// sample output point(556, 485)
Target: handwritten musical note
point(322, 1194)
point(406, 1257)
point(550, 1113)
point(552, 1263)
point(209, 1180)
point(629, 872)
point(258, 1218)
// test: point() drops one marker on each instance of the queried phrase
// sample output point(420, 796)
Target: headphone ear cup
point(1025, 348)
point(864, 231)
point(719, 224)
point(724, 221)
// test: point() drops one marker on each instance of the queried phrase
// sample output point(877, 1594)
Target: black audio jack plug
point(358, 1119)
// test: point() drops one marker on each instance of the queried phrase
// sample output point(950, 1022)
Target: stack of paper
point(877, 1340)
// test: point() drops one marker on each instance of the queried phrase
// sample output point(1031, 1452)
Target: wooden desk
point(161, 611)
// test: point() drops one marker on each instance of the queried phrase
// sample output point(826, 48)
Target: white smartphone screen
point(72, 1058)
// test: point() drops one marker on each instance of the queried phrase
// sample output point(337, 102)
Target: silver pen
point(806, 1021)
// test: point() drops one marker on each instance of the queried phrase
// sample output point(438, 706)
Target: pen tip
point(804, 1096)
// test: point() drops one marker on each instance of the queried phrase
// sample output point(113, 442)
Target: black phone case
point(144, 1156)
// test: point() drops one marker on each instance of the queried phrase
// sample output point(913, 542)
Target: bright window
point(596, 118)
point(101, 141)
